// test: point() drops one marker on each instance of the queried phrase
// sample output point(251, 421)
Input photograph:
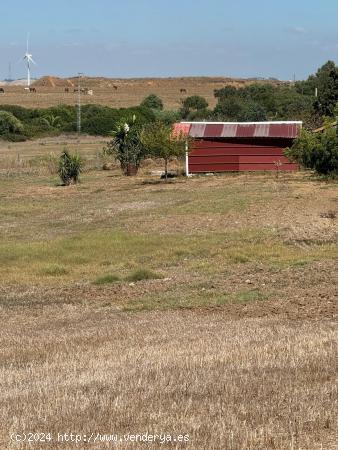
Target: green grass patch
point(106, 279)
point(143, 274)
point(300, 263)
point(54, 270)
point(85, 253)
point(252, 295)
point(191, 298)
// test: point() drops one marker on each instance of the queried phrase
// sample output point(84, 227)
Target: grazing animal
point(66, 89)
point(183, 90)
point(32, 89)
point(2, 90)
point(82, 90)
point(115, 87)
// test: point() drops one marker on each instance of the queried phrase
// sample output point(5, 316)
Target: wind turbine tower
point(28, 58)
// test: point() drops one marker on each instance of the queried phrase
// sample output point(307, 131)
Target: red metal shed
point(239, 146)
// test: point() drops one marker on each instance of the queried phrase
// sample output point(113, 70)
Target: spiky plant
point(70, 167)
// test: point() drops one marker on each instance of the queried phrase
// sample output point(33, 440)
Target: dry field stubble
point(234, 344)
point(118, 93)
point(240, 384)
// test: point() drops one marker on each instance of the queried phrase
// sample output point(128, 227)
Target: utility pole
point(79, 103)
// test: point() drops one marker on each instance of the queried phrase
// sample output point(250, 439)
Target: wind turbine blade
point(27, 41)
point(32, 60)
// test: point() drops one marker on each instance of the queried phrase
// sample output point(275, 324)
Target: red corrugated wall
point(239, 154)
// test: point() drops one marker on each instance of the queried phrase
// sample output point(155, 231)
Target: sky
point(160, 38)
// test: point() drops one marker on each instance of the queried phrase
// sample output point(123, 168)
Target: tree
point(152, 102)
point(70, 167)
point(167, 117)
point(194, 107)
point(258, 102)
point(326, 83)
point(318, 152)
point(9, 124)
point(160, 142)
point(127, 146)
point(226, 92)
point(252, 112)
point(228, 108)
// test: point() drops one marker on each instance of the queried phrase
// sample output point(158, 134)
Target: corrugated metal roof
point(276, 129)
point(181, 128)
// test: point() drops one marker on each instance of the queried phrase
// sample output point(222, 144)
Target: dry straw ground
point(117, 93)
point(233, 342)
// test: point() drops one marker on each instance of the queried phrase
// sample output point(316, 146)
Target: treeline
point(19, 124)
point(313, 101)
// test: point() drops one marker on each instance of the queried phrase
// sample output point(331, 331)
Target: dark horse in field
point(32, 89)
point(2, 90)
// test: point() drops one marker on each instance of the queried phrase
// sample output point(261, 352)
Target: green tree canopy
point(259, 102)
point(326, 83)
point(194, 108)
point(152, 101)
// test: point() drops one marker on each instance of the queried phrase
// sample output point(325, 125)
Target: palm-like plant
point(127, 146)
point(51, 121)
point(70, 167)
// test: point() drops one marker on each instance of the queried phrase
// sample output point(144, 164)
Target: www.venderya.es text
point(160, 438)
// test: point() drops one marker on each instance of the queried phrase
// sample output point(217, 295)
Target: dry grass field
point(127, 92)
point(204, 307)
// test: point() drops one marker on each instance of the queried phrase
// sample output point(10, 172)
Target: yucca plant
point(126, 146)
point(70, 167)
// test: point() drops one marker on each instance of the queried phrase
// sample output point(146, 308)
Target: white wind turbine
point(28, 59)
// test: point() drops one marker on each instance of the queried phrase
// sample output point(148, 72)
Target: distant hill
point(102, 82)
point(21, 82)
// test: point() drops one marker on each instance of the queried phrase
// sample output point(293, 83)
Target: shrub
point(167, 117)
point(70, 167)
point(102, 120)
point(61, 116)
point(23, 114)
point(152, 102)
point(317, 152)
point(14, 137)
point(9, 124)
point(99, 120)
